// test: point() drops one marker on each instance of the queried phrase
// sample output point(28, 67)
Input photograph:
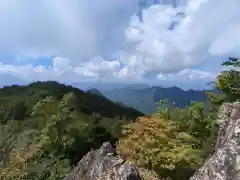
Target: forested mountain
point(88, 103)
point(95, 91)
point(145, 99)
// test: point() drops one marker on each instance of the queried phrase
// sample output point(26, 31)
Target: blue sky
point(74, 41)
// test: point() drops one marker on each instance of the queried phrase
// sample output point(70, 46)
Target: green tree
point(228, 82)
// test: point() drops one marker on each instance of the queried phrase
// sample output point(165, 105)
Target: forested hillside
point(24, 97)
point(46, 128)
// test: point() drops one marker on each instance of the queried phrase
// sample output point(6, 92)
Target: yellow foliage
point(148, 174)
point(17, 162)
point(154, 143)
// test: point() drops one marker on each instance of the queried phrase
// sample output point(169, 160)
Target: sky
point(170, 42)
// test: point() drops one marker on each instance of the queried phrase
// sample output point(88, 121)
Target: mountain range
point(144, 99)
point(137, 99)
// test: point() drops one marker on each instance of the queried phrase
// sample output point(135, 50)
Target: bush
point(154, 143)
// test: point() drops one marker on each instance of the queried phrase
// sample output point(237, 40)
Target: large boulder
point(224, 164)
point(103, 164)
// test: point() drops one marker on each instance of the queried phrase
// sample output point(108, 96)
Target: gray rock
point(103, 164)
point(224, 164)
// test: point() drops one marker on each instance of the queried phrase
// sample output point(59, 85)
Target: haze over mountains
point(102, 86)
point(144, 97)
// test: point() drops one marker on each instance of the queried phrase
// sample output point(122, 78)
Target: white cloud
point(26, 72)
point(62, 70)
point(103, 39)
point(187, 79)
point(188, 75)
point(75, 29)
point(98, 68)
point(109, 71)
point(209, 28)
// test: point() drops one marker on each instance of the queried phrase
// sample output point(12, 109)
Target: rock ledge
point(103, 164)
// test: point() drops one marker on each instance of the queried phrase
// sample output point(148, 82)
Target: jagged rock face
point(225, 162)
point(103, 164)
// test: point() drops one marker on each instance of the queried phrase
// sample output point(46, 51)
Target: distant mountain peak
point(95, 91)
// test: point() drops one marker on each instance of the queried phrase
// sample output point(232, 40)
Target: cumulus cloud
point(188, 79)
point(106, 39)
point(188, 75)
point(203, 29)
point(62, 70)
point(98, 68)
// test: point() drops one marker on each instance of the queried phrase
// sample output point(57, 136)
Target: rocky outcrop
point(104, 164)
point(225, 162)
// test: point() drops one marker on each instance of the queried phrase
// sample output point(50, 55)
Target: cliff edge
point(224, 164)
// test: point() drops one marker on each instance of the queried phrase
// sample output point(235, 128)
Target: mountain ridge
point(88, 103)
point(145, 99)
